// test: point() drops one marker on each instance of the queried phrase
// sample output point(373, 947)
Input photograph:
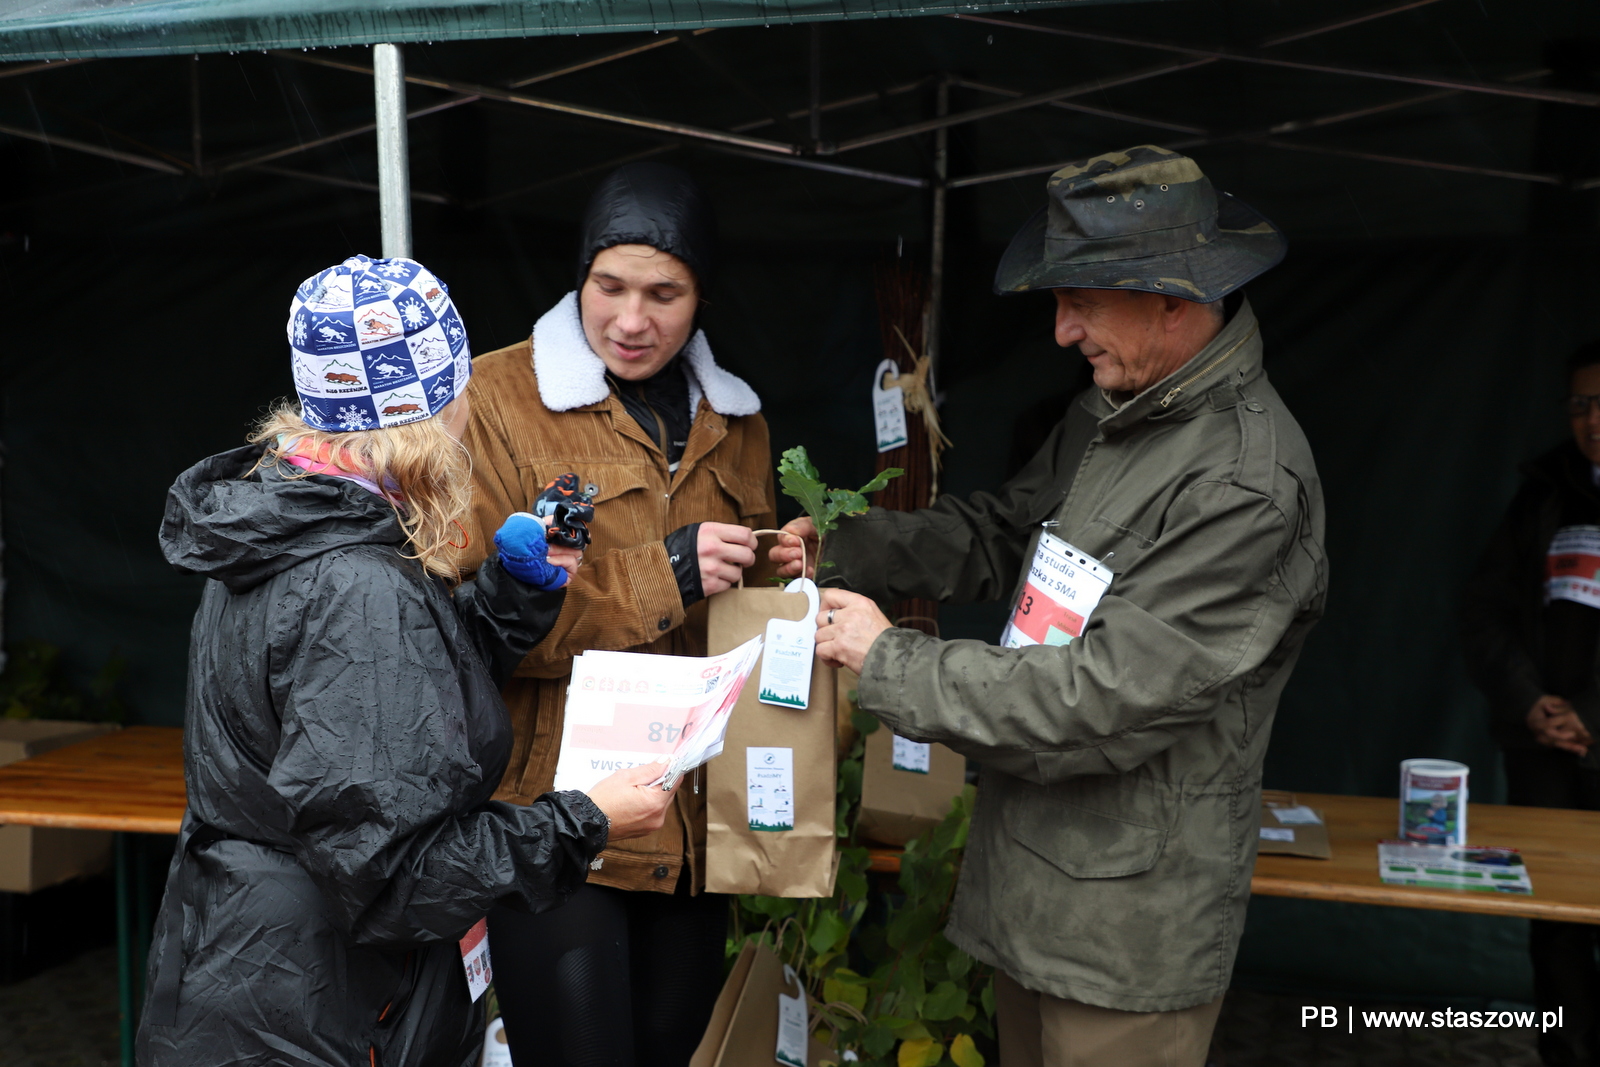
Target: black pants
point(611, 979)
point(1565, 973)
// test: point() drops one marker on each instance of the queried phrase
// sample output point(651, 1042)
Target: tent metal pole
point(1019, 104)
point(816, 82)
point(345, 183)
point(194, 115)
point(607, 57)
point(1339, 24)
point(941, 171)
point(1406, 161)
point(1263, 136)
point(241, 162)
point(394, 163)
point(34, 68)
point(1242, 55)
point(1068, 105)
point(90, 149)
point(491, 92)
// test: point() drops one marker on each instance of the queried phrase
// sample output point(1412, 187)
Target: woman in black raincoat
point(344, 729)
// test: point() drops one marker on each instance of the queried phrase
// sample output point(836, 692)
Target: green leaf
point(920, 1052)
point(964, 1052)
point(828, 933)
point(986, 998)
point(847, 502)
point(958, 963)
point(877, 1040)
point(905, 1029)
point(846, 987)
point(864, 721)
point(799, 480)
point(881, 479)
point(945, 1001)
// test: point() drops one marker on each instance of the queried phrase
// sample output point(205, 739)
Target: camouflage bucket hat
point(1143, 218)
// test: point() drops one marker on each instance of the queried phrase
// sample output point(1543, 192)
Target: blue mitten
point(524, 553)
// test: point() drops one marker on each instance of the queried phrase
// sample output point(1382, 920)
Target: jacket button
point(1253, 406)
point(662, 872)
point(664, 625)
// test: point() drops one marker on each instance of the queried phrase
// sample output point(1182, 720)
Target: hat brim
point(1247, 244)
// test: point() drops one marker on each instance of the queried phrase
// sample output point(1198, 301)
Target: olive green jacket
point(1116, 827)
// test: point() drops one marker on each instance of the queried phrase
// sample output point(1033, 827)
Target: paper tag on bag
point(1064, 585)
point(792, 1042)
point(1296, 816)
point(911, 756)
point(888, 408)
point(789, 648)
point(769, 777)
point(475, 958)
point(1273, 833)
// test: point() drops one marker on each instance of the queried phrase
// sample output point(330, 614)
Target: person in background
point(344, 729)
point(1531, 632)
point(1108, 864)
point(619, 385)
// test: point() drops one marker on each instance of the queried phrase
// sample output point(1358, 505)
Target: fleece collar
point(571, 376)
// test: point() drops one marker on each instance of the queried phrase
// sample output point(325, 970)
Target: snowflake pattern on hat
point(375, 343)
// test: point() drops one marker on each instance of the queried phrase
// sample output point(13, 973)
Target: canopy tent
point(1432, 162)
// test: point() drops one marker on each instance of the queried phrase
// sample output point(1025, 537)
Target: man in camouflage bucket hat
point(1121, 741)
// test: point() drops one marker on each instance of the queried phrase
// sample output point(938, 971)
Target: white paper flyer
point(626, 709)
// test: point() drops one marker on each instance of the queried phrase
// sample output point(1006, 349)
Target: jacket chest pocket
point(1092, 828)
point(749, 500)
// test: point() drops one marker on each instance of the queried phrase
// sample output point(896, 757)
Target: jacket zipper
point(1213, 365)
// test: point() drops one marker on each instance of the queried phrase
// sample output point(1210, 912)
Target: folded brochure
point(627, 709)
point(1484, 869)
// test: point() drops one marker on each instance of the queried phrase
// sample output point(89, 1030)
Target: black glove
point(683, 550)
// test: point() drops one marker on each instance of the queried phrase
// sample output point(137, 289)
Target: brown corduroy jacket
point(624, 596)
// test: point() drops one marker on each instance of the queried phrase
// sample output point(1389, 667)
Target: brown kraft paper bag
point(799, 862)
point(743, 1031)
point(898, 805)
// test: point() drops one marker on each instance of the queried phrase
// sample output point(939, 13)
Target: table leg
point(141, 916)
point(125, 964)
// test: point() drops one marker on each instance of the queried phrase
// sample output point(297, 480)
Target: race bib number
point(1064, 585)
point(1572, 567)
point(475, 959)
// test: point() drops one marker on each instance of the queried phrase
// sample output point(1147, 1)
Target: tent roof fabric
point(82, 29)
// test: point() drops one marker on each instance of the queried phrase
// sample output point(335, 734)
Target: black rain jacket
point(344, 733)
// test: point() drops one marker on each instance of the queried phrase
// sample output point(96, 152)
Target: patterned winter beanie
point(375, 343)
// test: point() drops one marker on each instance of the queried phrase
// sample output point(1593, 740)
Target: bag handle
point(764, 533)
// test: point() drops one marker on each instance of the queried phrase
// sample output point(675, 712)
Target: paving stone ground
point(63, 1017)
point(67, 1017)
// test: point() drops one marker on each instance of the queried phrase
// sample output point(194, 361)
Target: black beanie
point(650, 204)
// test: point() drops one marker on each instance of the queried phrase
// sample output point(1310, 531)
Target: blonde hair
point(427, 471)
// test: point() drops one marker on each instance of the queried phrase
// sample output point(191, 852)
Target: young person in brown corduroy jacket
point(618, 385)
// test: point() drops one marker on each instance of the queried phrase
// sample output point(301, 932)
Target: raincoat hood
point(650, 204)
point(240, 527)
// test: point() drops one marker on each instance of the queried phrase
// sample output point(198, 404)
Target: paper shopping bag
point(743, 1031)
point(770, 795)
point(906, 788)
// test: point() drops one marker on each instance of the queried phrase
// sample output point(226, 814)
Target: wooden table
point(1561, 847)
point(129, 781)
